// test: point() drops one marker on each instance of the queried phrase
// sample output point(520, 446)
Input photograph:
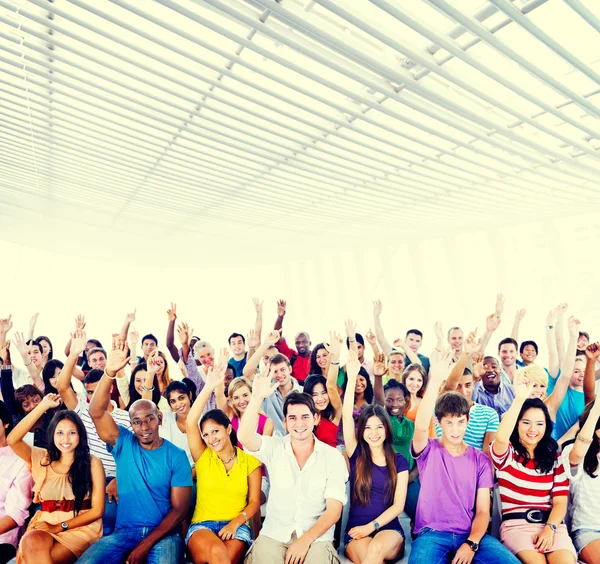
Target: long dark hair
point(44, 338)
point(314, 367)
point(47, 373)
point(309, 386)
point(544, 454)
point(369, 394)
point(220, 418)
point(415, 368)
point(590, 461)
point(364, 462)
point(80, 473)
point(133, 393)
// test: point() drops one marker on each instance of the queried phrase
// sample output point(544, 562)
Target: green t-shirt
point(403, 432)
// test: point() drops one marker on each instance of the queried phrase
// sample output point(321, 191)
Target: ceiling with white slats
point(257, 129)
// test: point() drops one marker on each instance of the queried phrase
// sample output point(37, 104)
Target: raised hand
point(377, 308)
point(562, 308)
point(592, 351)
point(350, 329)
point(6, 324)
point(5, 351)
point(134, 337)
point(573, 326)
point(379, 365)
point(253, 339)
point(471, 344)
point(441, 365)
point(272, 337)
point(172, 312)
point(258, 305)
point(520, 314)
point(215, 375)
point(130, 317)
point(399, 343)
point(184, 332)
point(262, 387)
point(523, 389)
point(281, 308)
point(499, 305)
point(153, 362)
point(78, 342)
point(352, 366)
point(552, 316)
point(117, 358)
point(371, 338)
point(492, 322)
point(478, 368)
point(33, 321)
point(50, 401)
point(20, 344)
point(334, 345)
point(439, 332)
point(79, 322)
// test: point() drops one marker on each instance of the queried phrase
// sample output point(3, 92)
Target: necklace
point(226, 462)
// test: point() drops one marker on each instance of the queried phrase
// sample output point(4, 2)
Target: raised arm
point(152, 366)
point(184, 333)
point(254, 360)
point(261, 389)
point(16, 436)
point(408, 352)
point(172, 315)
point(553, 362)
point(63, 384)
point(439, 336)
point(562, 384)
point(23, 349)
point(585, 436)
point(134, 339)
point(492, 322)
point(32, 324)
point(509, 419)
point(592, 353)
point(79, 326)
point(281, 309)
point(372, 340)
point(441, 363)
point(108, 431)
point(5, 326)
point(352, 368)
point(518, 318)
point(214, 378)
point(379, 371)
point(129, 319)
point(258, 307)
point(351, 334)
point(385, 344)
point(333, 348)
point(253, 342)
point(470, 346)
point(560, 332)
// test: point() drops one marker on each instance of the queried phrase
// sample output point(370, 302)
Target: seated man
point(153, 476)
point(453, 510)
point(491, 390)
point(307, 479)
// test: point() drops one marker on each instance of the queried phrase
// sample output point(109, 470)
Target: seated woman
point(414, 378)
point(69, 485)
point(582, 458)
point(325, 393)
point(174, 422)
point(319, 360)
point(533, 484)
point(379, 480)
point(228, 482)
point(15, 491)
point(133, 389)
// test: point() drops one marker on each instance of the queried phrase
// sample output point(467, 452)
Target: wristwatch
point(552, 526)
point(64, 525)
point(474, 545)
point(376, 525)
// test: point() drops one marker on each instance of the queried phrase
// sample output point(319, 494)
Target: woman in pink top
point(16, 485)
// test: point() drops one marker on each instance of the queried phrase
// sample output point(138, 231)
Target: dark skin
point(145, 422)
point(491, 378)
point(302, 341)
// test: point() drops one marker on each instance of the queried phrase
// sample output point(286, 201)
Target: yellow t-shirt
point(222, 496)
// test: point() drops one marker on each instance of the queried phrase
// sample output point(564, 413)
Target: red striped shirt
point(522, 487)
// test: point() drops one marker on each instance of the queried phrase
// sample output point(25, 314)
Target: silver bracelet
point(147, 389)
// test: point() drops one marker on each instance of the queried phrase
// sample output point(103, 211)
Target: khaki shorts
point(266, 550)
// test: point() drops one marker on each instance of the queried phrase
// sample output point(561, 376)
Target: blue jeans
point(115, 548)
point(435, 547)
point(110, 514)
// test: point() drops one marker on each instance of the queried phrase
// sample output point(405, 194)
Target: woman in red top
point(325, 393)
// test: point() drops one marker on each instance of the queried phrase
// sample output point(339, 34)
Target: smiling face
point(303, 344)
point(206, 356)
point(538, 391)
point(578, 372)
point(395, 402)
point(361, 385)
point(240, 399)
point(396, 365)
point(281, 374)
point(179, 402)
point(320, 397)
point(532, 427)
point(528, 355)
point(455, 340)
point(138, 380)
point(465, 387)
point(413, 382)
point(237, 345)
point(35, 355)
point(322, 356)
point(66, 436)
point(508, 354)
point(582, 342)
point(491, 378)
point(374, 433)
point(300, 422)
point(216, 436)
point(45, 348)
point(145, 422)
point(454, 428)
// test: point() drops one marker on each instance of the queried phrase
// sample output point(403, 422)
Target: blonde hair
point(235, 385)
point(532, 373)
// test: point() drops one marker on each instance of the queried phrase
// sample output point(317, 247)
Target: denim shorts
point(397, 527)
point(583, 537)
point(243, 532)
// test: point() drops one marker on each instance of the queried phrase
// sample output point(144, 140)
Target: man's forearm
point(101, 397)
point(323, 523)
point(168, 524)
point(589, 381)
point(171, 341)
point(479, 526)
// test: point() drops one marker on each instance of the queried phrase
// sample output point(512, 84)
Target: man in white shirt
point(307, 479)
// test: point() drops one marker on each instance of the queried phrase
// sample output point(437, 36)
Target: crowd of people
point(267, 453)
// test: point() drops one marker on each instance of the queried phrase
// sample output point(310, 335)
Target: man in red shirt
point(299, 358)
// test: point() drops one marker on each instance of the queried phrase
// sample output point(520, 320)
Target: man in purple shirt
point(453, 510)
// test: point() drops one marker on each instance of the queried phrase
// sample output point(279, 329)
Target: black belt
point(531, 516)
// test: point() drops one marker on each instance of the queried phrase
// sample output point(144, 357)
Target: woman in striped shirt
point(533, 483)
